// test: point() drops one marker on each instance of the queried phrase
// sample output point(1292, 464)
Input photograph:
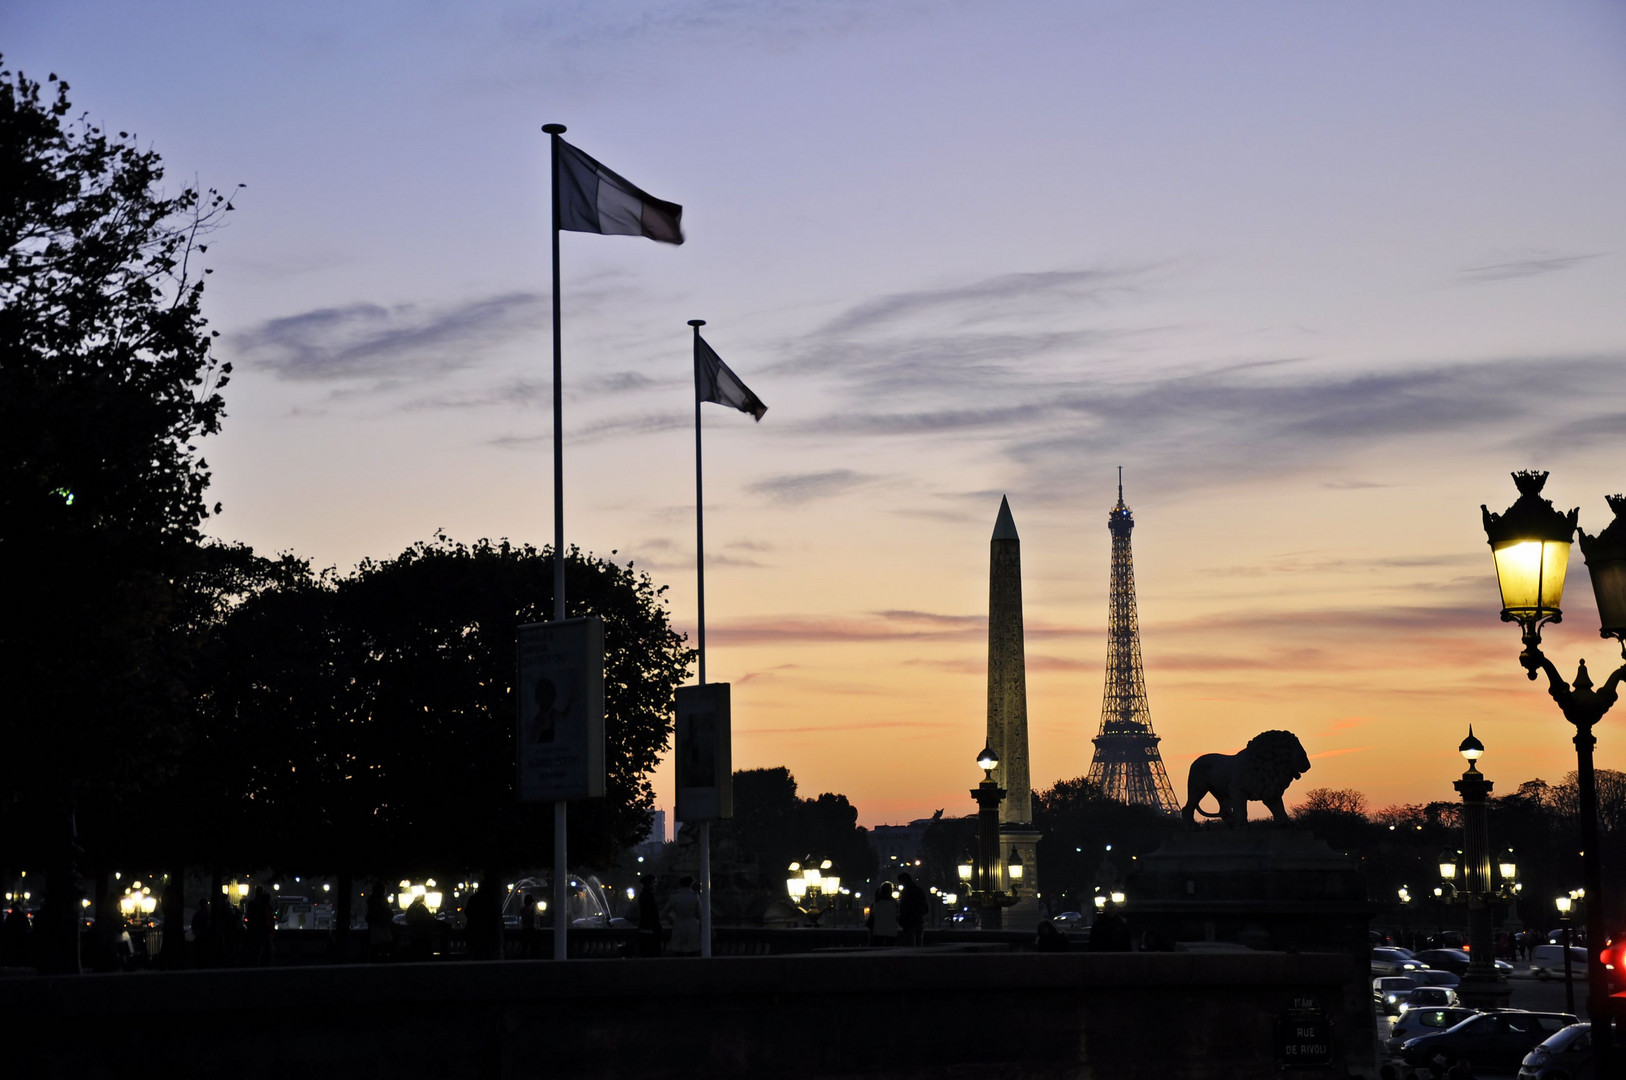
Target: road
point(1534, 994)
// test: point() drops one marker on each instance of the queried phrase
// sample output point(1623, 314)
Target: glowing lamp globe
point(964, 870)
point(1564, 904)
point(987, 761)
point(1509, 869)
point(1448, 865)
point(1606, 565)
point(1471, 748)
point(1015, 867)
point(1530, 544)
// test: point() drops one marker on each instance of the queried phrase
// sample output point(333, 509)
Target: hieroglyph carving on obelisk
point(1008, 695)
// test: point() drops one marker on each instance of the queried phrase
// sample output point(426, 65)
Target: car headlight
point(1404, 1006)
point(1390, 999)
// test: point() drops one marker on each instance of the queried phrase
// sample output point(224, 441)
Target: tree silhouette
point(369, 720)
point(106, 384)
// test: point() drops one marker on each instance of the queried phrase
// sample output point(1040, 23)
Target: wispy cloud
point(805, 487)
point(1053, 367)
point(1003, 296)
point(882, 626)
point(1524, 267)
point(370, 341)
point(1340, 752)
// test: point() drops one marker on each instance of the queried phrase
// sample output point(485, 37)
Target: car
point(1455, 961)
point(1452, 960)
point(1495, 1040)
point(1068, 920)
point(1565, 1056)
point(1428, 996)
point(1434, 977)
point(1547, 961)
point(1392, 961)
point(1415, 1022)
point(1389, 992)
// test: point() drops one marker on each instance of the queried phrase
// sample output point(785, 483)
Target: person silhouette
point(883, 917)
point(911, 910)
point(649, 919)
point(684, 908)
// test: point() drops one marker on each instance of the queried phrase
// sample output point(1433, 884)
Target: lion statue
point(1261, 772)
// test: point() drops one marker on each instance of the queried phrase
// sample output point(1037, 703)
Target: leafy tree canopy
point(107, 383)
point(773, 827)
point(369, 720)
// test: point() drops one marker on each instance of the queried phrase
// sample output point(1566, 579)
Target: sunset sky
point(1317, 276)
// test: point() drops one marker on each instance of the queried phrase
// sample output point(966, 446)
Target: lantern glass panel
point(1609, 586)
point(1531, 575)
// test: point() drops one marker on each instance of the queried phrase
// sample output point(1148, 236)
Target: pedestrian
point(527, 926)
point(16, 944)
point(1110, 932)
point(482, 924)
point(649, 918)
point(420, 931)
point(883, 917)
point(261, 920)
point(911, 910)
point(380, 928)
point(204, 939)
point(1048, 939)
point(683, 908)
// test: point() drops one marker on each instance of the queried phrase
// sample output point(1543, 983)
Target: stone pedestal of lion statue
point(1265, 885)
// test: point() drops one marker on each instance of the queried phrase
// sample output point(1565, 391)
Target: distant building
point(899, 846)
point(652, 843)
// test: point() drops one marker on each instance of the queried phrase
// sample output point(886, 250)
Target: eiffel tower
point(1127, 766)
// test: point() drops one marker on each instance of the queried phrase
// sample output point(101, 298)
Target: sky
point(1317, 276)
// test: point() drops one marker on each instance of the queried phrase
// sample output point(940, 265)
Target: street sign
point(1303, 1035)
point(704, 761)
point(561, 710)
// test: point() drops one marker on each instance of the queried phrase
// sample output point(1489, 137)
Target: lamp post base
point(1482, 991)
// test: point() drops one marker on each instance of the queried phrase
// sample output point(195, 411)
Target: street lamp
point(985, 881)
point(1448, 867)
point(1483, 986)
point(1532, 533)
point(814, 880)
point(1563, 903)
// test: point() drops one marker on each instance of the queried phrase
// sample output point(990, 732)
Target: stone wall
point(870, 1014)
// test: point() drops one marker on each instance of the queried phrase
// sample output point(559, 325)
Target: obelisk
point(1008, 718)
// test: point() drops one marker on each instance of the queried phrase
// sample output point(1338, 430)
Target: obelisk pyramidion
point(1008, 714)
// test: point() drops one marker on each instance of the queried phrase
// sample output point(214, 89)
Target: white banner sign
point(561, 710)
point(704, 761)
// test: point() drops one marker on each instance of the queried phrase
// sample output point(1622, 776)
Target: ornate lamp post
point(985, 880)
point(1530, 545)
point(1563, 903)
point(815, 882)
point(1482, 986)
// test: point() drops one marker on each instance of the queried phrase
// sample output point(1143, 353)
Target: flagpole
point(561, 920)
point(700, 569)
point(699, 511)
point(556, 130)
